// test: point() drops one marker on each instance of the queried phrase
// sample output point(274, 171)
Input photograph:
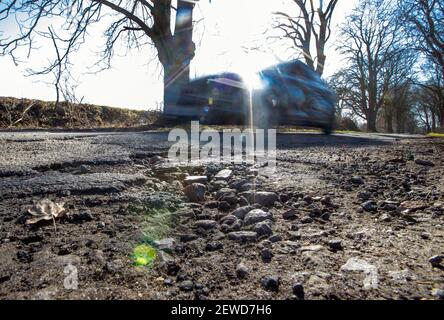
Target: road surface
point(343, 216)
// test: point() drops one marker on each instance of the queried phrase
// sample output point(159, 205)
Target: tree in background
point(398, 76)
point(135, 22)
point(312, 22)
point(369, 42)
point(428, 96)
point(423, 24)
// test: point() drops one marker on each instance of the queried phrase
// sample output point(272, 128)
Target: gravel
point(256, 216)
point(271, 283)
point(243, 236)
point(195, 192)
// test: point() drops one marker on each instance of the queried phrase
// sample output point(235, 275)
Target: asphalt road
point(28, 150)
point(341, 205)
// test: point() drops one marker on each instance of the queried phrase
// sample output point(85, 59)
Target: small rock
point(170, 267)
point(263, 229)
point(275, 238)
point(167, 244)
point(225, 193)
point(369, 206)
point(229, 219)
point(298, 290)
point(212, 205)
point(241, 271)
point(435, 261)
point(195, 179)
point(325, 216)
point(390, 207)
point(186, 285)
point(426, 163)
point(370, 271)
point(294, 235)
point(195, 192)
point(266, 254)
point(188, 237)
point(243, 202)
point(335, 245)
point(289, 214)
point(265, 244)
point(364, 195)
point(357, 180)
point(80, 217)
point(241, 212)
point(84, 169)
point(224, 206)
point(326, 201)
point(307, 220)
point(224, 175)
point(206, 224)
point(217, 185)
point(214, 246)
point(256, 216)
point(24, 256)
point(168, 282)
point(265, 199)
point(114, 266)
point(235, 226)
point(308, 199)
point(242, 236)
point(271, 283)
point(426, 236)
point(284, 198)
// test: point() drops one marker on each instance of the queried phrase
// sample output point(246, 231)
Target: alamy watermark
point(71, 281)
point(231, 146)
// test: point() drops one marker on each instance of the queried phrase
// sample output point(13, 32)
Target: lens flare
point(253, 80)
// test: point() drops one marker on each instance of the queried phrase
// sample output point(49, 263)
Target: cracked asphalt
point(351, 216)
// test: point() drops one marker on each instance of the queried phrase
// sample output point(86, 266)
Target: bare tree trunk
point(176, 53)
point(371, 121)
point(389, 123)
point(175, 77)
point(433, 120)
point(441, 119)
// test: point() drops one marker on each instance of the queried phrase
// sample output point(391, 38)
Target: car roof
point(294, 67)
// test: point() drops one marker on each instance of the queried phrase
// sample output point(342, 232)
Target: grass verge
point(435, 135)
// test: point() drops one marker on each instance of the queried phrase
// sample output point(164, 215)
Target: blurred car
point(289, 93)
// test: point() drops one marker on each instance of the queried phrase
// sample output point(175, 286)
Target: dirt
point(37, 114)
point(354, 218)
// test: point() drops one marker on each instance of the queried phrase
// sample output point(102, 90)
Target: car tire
point(328, 129)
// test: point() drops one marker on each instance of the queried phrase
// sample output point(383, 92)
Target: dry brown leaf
point(46, 210)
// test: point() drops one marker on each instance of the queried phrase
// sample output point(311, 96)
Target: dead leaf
point(46, 210)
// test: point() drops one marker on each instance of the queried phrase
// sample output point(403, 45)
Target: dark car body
point(290, 93)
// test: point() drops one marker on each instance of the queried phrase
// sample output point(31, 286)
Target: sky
point(230, 36)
